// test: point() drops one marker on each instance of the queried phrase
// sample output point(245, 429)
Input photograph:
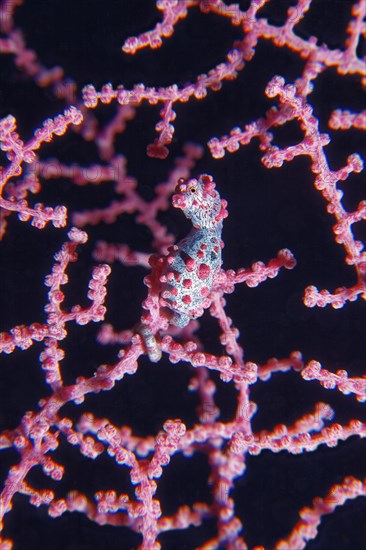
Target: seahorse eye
point(192, 190)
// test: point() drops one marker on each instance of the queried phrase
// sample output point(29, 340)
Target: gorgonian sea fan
point(138, 431)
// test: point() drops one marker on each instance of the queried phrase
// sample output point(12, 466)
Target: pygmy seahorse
point(184, 278)
point(193, 263)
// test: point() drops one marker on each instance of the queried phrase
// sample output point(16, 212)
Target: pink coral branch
point(339, 380)
point(168, 96)
point(172, 11)
point(344, 120)
point(18, 153)
point(185, 291)
point(307, 527)
point(23, 337)
point(295, 107)
point(132, 202)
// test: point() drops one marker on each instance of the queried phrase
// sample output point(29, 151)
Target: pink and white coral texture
point(183, 274)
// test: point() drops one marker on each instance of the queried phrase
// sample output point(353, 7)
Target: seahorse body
point(192, 264)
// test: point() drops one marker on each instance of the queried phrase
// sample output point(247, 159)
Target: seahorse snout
point(178, 200)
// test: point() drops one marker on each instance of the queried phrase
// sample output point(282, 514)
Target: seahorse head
point(200, 202)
